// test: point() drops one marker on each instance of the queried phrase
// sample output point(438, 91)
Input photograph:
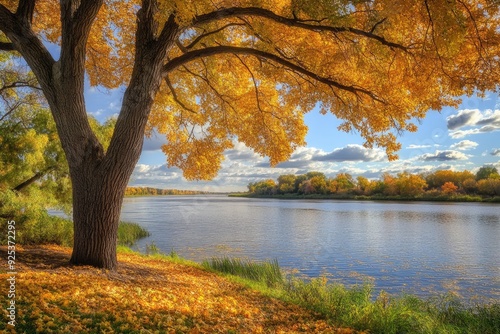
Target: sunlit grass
point(267, 272)
point(129, 233)
point(358, 308)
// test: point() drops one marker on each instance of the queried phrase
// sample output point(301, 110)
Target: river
point(424, 248)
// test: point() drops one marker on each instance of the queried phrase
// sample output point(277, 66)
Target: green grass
point(358, 308)
point(267, 272)
point(41, 229)
point(46, 229)
point(129, 233)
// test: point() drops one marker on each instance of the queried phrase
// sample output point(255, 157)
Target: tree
point(266, 187)
point(486, 172)
point(438, 178)
point(489, 187)
point(33, 170)
point(363, 185)
point(449, 188)
point(389, 184)
point(286, 183)
point(318, 183)
point(206, 73)
point(470, 186)
point(345, 182)
point(410, 184)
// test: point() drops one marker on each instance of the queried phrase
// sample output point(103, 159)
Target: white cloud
point(463, 118)
point(464, 145)
point(475, 121)
point(352, 152)
point(154, 142)
point(240, 152)
point(412, 146)
point(97, 113)
point(449, 155)
point(496, 152)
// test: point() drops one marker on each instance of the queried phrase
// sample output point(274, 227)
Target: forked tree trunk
point(98, 178)
point(99, 181)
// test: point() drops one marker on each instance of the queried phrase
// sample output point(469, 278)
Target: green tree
point(486, 172)
point(310, 175)
point(286, 183)
point(298, 183)
point(207, 72)
point(266, 187)
point(345, 182)
point(33, 170)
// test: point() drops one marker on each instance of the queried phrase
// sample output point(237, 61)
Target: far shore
point(378, 197)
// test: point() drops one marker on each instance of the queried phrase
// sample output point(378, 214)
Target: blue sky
point(457, 139)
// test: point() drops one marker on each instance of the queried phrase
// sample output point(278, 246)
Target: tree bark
point(96, 215)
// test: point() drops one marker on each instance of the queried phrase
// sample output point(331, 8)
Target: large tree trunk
point(98, 178)
point(96, 215)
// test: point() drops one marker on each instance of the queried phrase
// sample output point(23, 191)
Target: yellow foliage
point(144, 295)
point(376, 65)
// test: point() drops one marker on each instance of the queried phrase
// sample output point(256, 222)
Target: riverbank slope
point(145, 295)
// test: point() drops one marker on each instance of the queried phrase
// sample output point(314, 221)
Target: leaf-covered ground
point(145, 295)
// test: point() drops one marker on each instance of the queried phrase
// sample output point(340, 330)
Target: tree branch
point(7, 20)
point(18, 84)
point(291, 22)
point(6, 46)
point(25, 10)
point(24, 40)
point(206, 34)
point(146, 26)
point(176, 98)
point(169, 31)
point(211, 51)
point(34, 178)
point(377, 24)
point(77, 18)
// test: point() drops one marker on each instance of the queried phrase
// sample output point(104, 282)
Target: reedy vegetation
point(42, 229)
point(357, 307)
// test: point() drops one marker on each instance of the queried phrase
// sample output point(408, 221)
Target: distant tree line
point(486, 182)
point(148, 191)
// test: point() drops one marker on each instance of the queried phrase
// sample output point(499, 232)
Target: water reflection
point(416, 247)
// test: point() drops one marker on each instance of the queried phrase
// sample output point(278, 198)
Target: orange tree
point(206, 73)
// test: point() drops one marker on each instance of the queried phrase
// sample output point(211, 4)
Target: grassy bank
point(47, 229)
point(359, 309)
point(166, 294)
point(378, 197)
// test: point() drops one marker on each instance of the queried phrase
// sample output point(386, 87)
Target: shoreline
point(454, 199)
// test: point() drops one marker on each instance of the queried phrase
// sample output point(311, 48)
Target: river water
point(422, 248)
